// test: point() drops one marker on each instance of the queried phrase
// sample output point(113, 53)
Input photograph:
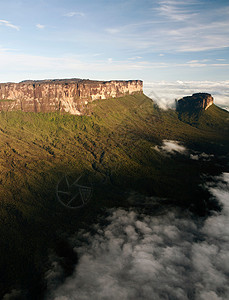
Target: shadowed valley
point(116, 144)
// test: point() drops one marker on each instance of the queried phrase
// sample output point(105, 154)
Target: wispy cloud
point(177, 26)
point(135, 58)
point(4, 50)
point(176, 10)
point(17, 61)
point(220, 65)
point(196, 63)
point(74, 13)
point(9, 24)
point(40, 26)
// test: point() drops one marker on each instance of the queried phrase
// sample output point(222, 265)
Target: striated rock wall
point(67, 95)
point(196, 102)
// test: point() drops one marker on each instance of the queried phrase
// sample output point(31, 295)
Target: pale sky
point(119, 39)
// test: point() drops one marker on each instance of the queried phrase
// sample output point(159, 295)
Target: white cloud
point(180, 26)
point(180, 82)
point(162, 97)
point(196, 64)
point(9, 24)
point(163, 256)
point(161, 54)
point(40, 26)
point(74, 13)
point(165, 92)
point(201, 156)
point(201, 35)
point(171, 147)
point(192, 61)
point(220, 65)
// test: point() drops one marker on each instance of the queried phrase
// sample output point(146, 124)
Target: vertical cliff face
point(195, 103)
point(71, 95)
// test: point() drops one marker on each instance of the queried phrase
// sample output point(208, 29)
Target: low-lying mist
point(172, 255)
point(164, 93)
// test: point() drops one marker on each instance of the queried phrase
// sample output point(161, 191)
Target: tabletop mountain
point(194, 103)
point(119, 146)
point(191, 109)
point(64, 95)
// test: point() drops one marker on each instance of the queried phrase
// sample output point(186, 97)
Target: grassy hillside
point(115, 146)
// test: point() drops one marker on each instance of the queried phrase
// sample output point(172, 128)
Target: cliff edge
point(194, 103)
point(65, 95)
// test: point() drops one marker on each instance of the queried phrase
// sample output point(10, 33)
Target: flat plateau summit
point(73, 95)
point(196, 102)
point(65, 95)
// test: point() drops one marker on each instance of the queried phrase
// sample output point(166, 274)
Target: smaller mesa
point(196, 102)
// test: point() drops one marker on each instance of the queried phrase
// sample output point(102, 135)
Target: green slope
point(113, 144)
point(214, 118)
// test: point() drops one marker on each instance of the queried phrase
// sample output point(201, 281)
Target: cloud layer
point(139, 256)
point(165, 93)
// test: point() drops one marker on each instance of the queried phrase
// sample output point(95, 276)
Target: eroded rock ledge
point(196, 102)
point(65, 95)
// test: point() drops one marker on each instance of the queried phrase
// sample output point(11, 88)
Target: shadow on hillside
point(38, 225)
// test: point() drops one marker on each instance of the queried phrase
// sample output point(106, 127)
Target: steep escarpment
point(195, 103)
point(66, 95)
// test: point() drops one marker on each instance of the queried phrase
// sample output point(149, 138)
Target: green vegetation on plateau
point(114, 144)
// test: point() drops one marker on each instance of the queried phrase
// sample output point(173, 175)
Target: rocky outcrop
point(66, 95)
point(194, 103)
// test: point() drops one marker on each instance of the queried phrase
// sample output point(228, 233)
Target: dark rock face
point(66, 95)
point(194, 103)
